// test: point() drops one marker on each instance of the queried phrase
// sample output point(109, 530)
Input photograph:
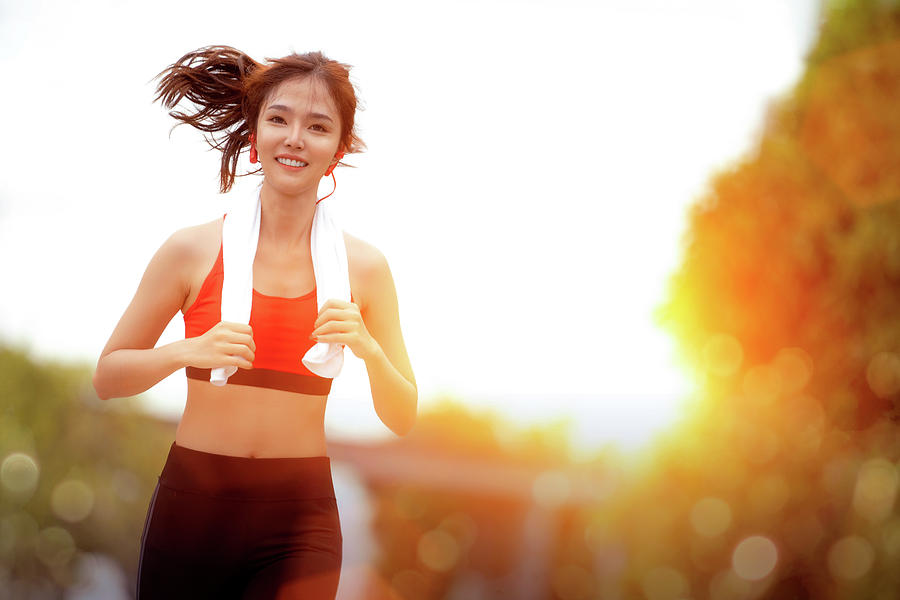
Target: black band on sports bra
point(267, 378)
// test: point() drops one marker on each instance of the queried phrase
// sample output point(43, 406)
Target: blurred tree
point(76, 472)
point(798, 245)
point(782, 484)
point(448, 426)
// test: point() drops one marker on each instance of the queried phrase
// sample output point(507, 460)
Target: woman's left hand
point(341, 322)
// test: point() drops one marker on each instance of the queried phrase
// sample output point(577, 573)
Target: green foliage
point(96, 466)
point(851, 24)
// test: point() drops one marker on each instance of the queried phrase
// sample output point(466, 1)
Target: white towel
point(240, 237)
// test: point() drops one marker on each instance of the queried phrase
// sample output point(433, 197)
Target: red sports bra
point(281, 329)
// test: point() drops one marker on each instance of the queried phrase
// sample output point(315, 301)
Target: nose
point(294, 137)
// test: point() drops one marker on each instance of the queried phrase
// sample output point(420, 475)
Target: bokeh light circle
point(19, 473)
point(883, 374)
point(850, 557)
point(72, 500)
point(876, 489)
point(754, 557)
point(54, 546)
point(711, 516)
point(438, 550)
point(794, 368)
point(409, 584)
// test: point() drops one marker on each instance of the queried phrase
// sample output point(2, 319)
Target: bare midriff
point(253, 422)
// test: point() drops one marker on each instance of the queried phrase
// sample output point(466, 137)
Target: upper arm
point(379, 306)
point(160, 294)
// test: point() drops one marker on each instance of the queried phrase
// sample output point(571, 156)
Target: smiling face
point(297, 135)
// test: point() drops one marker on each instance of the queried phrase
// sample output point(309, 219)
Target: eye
point(277, 119)
point(318, 127)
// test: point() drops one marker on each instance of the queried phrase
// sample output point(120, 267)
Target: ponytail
point(228, 89)
point(212, 79)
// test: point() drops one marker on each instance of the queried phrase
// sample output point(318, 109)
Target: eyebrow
point(314, 115)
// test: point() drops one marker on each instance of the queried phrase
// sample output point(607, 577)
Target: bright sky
point(528, 174)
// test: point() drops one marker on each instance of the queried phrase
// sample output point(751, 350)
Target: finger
point(335, 327)
point(240, 350)
point(327, 314)
point(336, 338)
point(237, 355)
point(334, 303)
point(336, 314)
point(236, 332)
point(240, 362)
point(234, 337)
point(238, 327)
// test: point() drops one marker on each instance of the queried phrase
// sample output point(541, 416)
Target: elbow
point(99, 387)
point(404, 429)
point(408, 423)
point(397, 409)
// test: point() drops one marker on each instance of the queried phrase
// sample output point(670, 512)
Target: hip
point(218, 521)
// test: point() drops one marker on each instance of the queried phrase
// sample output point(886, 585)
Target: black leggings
point(247, 528)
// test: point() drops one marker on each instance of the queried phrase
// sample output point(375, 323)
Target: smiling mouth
point(291, 163)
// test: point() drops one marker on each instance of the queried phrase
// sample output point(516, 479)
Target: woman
point(245, 505)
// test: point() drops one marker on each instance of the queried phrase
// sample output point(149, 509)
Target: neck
point(286, 220)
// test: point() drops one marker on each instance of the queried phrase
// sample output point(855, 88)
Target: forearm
point(395, 398)
point(128, 372)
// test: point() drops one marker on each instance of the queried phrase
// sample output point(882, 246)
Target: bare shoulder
point(162, 290)
point(363, 256)
point(195, 242)
point(196, 247)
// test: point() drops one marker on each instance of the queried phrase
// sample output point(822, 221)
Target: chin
point(288, 188)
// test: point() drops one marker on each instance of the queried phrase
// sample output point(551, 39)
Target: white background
point(528, 174)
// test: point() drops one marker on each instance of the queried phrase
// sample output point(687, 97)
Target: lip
point(291, 157)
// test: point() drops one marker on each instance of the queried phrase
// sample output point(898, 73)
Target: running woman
point(244, 506)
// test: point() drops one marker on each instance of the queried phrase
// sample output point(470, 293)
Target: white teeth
point(291, 163)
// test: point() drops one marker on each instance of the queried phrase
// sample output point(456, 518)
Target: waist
point(285, 478)
point(252, 422)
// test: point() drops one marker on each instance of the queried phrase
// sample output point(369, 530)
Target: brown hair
point(228, 89)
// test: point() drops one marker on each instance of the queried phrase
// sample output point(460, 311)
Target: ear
point(337, 158)
point(254, 157)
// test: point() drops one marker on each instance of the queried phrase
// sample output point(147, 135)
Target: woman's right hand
point(225, 344)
